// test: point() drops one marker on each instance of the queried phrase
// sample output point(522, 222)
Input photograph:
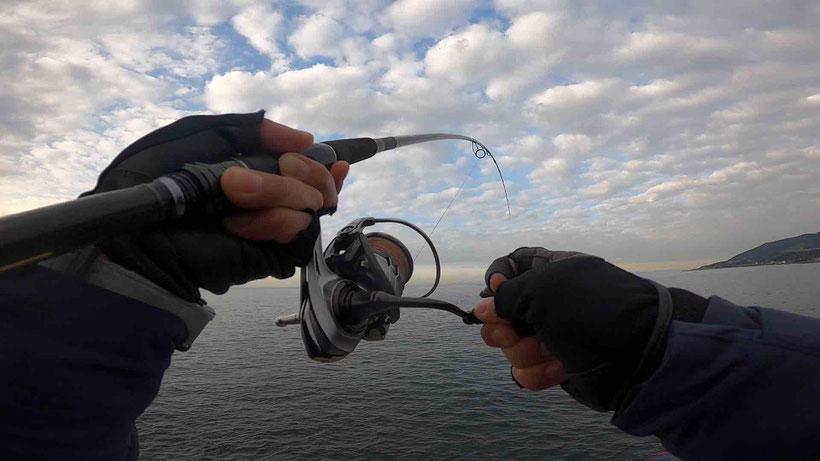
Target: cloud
point(675, 50)
point(424, 18)
point(76, 90)
point(471, 55)
point(317, 35)
point(260, 25)
point(572, 144)
point(641, 132)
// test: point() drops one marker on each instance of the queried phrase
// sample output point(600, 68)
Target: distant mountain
point(801, 249)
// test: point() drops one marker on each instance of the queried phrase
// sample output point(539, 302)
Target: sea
point(431, 390)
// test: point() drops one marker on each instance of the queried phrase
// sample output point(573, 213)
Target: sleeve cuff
point(91, 266)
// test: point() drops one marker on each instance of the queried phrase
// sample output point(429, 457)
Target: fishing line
point(479, 151)
point(445, 210)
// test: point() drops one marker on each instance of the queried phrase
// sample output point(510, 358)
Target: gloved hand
point(599, 331)
point(273, 228)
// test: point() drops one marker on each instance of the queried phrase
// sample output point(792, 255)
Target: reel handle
point(285, 320)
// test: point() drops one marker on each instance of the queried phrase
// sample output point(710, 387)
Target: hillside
point(801, 249)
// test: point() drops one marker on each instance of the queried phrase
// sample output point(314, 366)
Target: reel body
point(353, 290)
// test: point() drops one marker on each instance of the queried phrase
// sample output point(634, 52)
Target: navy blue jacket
point(742, 384)
point(79, 364)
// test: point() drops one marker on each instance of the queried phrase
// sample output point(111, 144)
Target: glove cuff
point(673, 304)
point(586, 387)
point(653, 351)
point(89, 265)
point(689, 307)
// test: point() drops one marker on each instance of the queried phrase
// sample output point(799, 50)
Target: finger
point(484, 310)
point(496, 280)
point(278, 224)
point(499, 335)
point(526, 352)
point(311, 173)
point(251, 189)
point(541, 376)
point(276, 138)
point(339, 172)
point(503, 266)
point(527, 258)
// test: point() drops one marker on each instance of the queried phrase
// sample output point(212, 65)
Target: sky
point(654, 134)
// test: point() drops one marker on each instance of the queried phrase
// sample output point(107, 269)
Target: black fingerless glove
point(197, 253)
point(607, 326)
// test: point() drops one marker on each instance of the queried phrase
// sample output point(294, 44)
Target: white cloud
point(359, 16)
point(549, 170)
point(517, 7)
point(561, 96)
point(572, 144)
point(664, 49)
point(640, 132)
point(469, 56)
point(260, 25)
point(76, 90)
point(317, 35)
point(428, 17)
point(209, 12)
point(536, 30)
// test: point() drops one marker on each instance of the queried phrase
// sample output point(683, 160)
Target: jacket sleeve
point(742, 384)
point(78, 365)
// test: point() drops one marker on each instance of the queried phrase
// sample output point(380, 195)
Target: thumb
point(496, 279)
point(513, 300)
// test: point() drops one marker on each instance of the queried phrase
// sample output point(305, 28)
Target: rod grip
point(200, 183)
point(201, 187)
point(354, 150)
point(39, 234)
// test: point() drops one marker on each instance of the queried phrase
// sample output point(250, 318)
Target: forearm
point(739, 385)
point(79, 364)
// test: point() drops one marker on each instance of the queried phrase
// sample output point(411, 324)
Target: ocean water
point(431, 390)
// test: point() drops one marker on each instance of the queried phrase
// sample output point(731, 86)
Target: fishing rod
point(349, 292)
point(43, 233)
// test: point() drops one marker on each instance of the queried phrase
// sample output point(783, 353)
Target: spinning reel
point(352, 290)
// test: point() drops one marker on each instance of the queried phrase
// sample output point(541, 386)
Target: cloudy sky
point(655, 134)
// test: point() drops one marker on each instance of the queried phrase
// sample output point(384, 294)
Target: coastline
point(756, 264)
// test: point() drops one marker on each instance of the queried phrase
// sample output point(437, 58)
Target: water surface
point(432, 390)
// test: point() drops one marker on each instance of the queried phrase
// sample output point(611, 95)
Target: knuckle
point(285, 230)
point(299, 196)
point(486, 335)
point(313, 198)
point(330, 183)
point(275, 187)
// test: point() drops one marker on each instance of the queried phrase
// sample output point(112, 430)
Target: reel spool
point(392, 249)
